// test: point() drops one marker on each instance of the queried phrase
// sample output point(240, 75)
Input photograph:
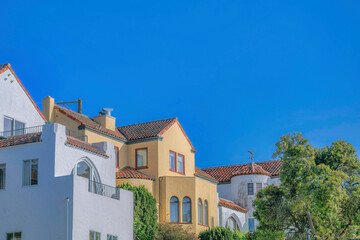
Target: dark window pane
point(2, 175)
point(8, 127)
point(186, 208)
point(34, 172)
point(19, 128)
point(250, 189)
point(172, 161)
point(141, 158)
point(10, 236)
point(174, 209)
point(17, 236)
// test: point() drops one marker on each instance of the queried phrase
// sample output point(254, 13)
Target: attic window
point(141, 156)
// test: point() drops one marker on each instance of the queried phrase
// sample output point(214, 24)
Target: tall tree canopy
point(319, 192)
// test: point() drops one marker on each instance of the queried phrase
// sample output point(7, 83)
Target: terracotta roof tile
point(84, 145)
point(20, 139)
point(129, 172)
point(150, 129)
point(88, 122)
point(200, 172)
point(3, 68)
point(232, 205)
point(251, 168)
point(224, 173)
point(146, 129)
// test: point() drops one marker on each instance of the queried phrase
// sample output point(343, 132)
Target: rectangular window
point(117, 156)
point(95, 235)
point(172, 159)
point(251, 224)
point(181, 163)
point(258, 187)
point(111, 237)
point(30, 172)
point(13, 127)
point(2, 175)
point(141, 158)
point(13, 236)
point(250, 189)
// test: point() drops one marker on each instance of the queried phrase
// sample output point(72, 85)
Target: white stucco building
point(237, 188)
point(53, 186)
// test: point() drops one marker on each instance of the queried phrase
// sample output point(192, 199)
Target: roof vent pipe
point(106, 112)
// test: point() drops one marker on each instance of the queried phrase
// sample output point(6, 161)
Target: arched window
point(199, 211)
point(205, 213)
point(86, 170)
point(186, 210)
point(174, 209)
point(231, 224)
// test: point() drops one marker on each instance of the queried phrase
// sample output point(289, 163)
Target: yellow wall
point(167, 183)
point(194, 188)
point(148, 184)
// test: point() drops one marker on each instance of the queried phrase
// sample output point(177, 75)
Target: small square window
point(95, 235)
point(141, 158)
point(13, 236)
point(111, 237)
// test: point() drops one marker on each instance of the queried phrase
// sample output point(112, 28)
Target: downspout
point(67, 217)
point(160, 180)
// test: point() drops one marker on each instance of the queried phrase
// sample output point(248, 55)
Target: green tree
point(220, 233)
point(145, 212)
point(169, 231)
point(319, 192)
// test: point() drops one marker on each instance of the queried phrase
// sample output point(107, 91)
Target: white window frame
point(13, 130)
point(94, 235)
point(23, 175)
point(112, 237)
point(13, 235)
point(3, 166)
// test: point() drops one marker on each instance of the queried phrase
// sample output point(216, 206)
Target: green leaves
point(145, 212)
point(318, 187)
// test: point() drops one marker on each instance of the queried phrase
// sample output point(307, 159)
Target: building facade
point(157, 155)
point(52, 185)
point(237, 188)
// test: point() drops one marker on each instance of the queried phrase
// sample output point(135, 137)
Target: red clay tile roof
point(150, 129)
point(146, 129)
point(230, 204)
point(86, 146)
point(251, 168)
point(129, 172)
point(224, 173)
point(20, 139)
point(200, 172)
point(88, 122)
point(3, 68)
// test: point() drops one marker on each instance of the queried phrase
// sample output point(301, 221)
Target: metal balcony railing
point(77, 135)
point(104, 190)
point(21, 131)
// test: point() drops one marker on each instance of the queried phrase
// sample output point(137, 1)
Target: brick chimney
point(105, 119)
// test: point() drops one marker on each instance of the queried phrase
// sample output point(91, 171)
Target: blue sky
point(237, 74)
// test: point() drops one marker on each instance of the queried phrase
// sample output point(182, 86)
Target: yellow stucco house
point(158, 155)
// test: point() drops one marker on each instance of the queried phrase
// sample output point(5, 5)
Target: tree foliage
point(169, 231)
point(221, 233)
point(319, 192)
point(145, 212)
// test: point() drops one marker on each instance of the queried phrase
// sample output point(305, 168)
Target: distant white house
point(237, 188)
point(53, 186)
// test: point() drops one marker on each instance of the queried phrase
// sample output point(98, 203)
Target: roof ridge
point(242, 164)
point(147, 122)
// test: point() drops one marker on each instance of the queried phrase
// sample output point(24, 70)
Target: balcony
point(104, 190)
point(39, 129)
point(21, 131)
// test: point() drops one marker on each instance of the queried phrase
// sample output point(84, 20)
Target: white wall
point(15, 103)
point(224, 190)
point(239, 217)
point(39, 212)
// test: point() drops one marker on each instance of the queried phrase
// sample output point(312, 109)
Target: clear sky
point(237, 74)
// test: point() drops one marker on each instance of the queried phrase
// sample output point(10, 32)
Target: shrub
point(145, 212)
point(168, 231)
point(221, 233)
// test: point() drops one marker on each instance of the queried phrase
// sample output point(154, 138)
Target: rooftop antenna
point(79, 103)
point(251, 155)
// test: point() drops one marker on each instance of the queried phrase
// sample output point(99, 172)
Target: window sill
point(137, 168)
point(203, 225)
point(181, 222)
